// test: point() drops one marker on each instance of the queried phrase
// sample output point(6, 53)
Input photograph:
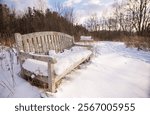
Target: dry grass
point(7, 64)
point(141, 43)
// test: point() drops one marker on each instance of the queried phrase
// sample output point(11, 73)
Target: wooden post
point(18, 39)
point(73, 42)
point(51, 77)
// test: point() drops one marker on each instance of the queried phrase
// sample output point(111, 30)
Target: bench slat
point(40, 44)
point(47, 43)
point(37, 57)
point(25, 45)
point(36, 46)
point(43, 44)
point(60, 42)
point(53, 42)
point(31, 45)
point(19, 42)
point(50, 42)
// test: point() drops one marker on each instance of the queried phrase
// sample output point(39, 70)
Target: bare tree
point(41, 5)
point(58, 7)
point(139, 10)
point(121, 17)
point(69, 14)
point(133, 15)
point(92, 23)
point(66, 12)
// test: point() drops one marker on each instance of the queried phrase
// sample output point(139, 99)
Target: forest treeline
point(127, 20)
point(130, 17)
point(35, 20)
point(130, 22)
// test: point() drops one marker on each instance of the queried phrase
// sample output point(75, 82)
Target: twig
point(7, 87)
point(2, 85)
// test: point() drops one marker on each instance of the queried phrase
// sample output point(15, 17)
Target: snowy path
point(115, 71)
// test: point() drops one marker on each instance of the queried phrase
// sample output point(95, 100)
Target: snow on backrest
point(86, 38)
point(42, 42)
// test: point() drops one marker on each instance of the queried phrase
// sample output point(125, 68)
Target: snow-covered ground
point(114, 71)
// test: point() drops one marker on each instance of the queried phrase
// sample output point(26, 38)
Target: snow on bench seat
point(64, 61)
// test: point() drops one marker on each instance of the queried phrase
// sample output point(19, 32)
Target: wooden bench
point(86, 40)
point(37, 45)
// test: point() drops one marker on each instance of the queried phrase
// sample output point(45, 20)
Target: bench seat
point(64, 60)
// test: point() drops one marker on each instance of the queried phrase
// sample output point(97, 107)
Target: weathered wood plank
point(44, 41)
point(31, 45)
point(37, 77)
point(88, 46)
point(71, 68)
point(61, 43)
point(47, 43)
point(19, 43)
point(26, 46)
point(56, 44)
point(36, 46)
point(65, 42)
point(39, 44)
point(37, 57)
point(53, 42)
point(50, 42)
point(51, 78)
point(43, 44)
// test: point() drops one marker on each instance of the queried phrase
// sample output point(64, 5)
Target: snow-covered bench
point(49, 56)
point(86, 40)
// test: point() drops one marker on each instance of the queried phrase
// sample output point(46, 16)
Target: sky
point(83, 9)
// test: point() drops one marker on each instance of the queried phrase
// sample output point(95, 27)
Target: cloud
point(94, 1)
point(15, 0)
point(21, 5)
point(85, 8)
point(70, 3)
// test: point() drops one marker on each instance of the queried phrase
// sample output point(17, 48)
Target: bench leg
point(52, 87)
point(51, 78)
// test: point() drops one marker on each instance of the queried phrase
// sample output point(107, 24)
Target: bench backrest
point(42, 42)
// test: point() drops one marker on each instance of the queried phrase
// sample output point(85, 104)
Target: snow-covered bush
point(7, 80)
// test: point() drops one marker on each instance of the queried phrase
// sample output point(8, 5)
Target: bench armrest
point(37, 57)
